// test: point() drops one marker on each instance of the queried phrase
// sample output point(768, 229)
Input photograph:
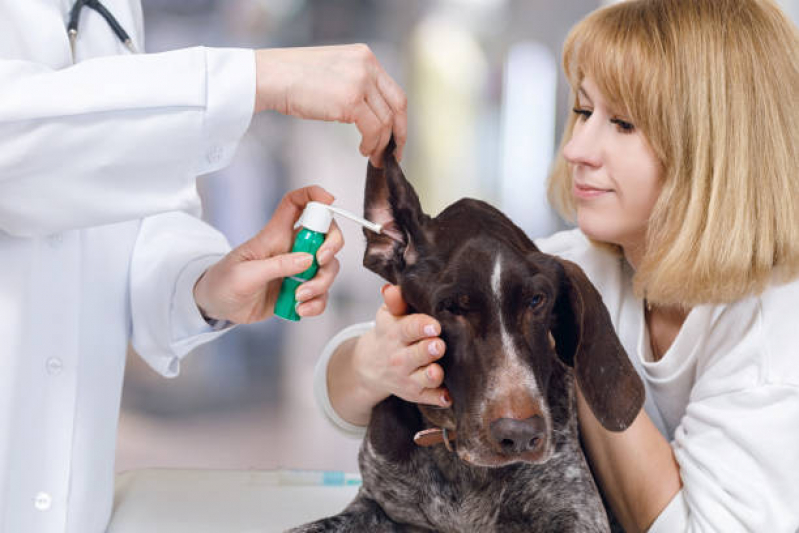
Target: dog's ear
point(392, 202)
point(585, 339)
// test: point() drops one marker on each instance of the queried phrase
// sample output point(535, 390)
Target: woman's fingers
point(416, 327)
point(392, 296)
point(426, 383)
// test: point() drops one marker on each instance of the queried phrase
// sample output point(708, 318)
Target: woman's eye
point(623, 125)
point(536, 301)
point(584, 114)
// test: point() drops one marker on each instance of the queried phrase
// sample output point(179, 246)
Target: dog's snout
point(518, 436)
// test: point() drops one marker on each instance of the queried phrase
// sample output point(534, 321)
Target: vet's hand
point(398, 356)
point(243, 286)
point(334, 83)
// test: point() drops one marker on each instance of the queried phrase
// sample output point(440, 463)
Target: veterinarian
point(99, 240)
point(678, 165)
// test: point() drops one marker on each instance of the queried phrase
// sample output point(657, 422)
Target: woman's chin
point(597, 230)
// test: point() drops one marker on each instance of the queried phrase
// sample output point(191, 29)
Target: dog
point(519, 326)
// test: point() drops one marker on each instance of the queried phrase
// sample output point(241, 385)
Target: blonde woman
point(678, 166)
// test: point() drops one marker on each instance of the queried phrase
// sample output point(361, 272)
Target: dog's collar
point(433, 436)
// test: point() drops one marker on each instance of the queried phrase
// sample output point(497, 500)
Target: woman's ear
point(585, 340)
point(390, 200)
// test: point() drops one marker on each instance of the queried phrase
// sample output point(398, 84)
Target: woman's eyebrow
point(581, 91)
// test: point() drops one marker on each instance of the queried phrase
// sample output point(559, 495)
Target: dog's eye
point(456, 305)
point(536, 301)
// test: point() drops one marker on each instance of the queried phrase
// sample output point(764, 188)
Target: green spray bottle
point(315, 223)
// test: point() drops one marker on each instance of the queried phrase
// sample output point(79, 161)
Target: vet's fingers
point(292, 204)
point(392, 296)
point(276, 236)
point(333, 244)
point(320, 283)
point(253, 275)
point(313, 307)
point(369, 125)
point(398, 102)
point(381, 109)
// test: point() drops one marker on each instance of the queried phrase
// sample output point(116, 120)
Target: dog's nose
point(517, 436)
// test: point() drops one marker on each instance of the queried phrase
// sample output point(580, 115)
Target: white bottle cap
point(316, 217)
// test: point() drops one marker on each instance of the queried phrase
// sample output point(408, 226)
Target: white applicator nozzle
point(372, 226)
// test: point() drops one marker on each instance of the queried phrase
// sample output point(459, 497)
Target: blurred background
point(487, 102)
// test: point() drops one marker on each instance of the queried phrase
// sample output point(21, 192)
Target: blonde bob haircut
point(713, 85)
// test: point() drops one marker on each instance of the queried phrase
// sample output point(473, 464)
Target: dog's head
point(514, 321)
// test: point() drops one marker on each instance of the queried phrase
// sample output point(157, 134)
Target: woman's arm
point(636, 467)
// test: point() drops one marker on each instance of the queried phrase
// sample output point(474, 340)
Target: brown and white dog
point(519, 326)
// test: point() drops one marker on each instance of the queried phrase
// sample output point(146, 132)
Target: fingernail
point(445, 399)
point(430, 330)
point(323, 256)
point(303, 260)
point(433, 348)
point(384, 288)
point(303, 294)
point(429, 372)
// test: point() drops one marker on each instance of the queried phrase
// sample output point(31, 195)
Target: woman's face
point(615, 174)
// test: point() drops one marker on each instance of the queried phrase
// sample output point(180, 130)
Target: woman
point(678, 166)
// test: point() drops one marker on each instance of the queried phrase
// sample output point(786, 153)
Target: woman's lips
point(588, 191)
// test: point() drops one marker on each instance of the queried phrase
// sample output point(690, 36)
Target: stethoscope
point(113, 23)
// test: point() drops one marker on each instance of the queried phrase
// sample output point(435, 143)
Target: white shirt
point(98, 245)
point(725, 394)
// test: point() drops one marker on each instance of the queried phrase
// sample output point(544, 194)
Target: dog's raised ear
point(585, 340)
point(390, 200)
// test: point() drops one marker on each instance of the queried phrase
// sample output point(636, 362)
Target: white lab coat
point(97, 179)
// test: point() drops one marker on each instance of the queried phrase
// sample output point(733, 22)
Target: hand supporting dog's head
point(514, 321)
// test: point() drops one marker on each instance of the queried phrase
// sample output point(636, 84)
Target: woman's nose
point(583, 147)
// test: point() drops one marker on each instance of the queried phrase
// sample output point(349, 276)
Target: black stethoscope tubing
point(113, 23)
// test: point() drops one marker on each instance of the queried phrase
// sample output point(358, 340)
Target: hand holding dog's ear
point(398, 356)
point(344, 83)
point(243, 286)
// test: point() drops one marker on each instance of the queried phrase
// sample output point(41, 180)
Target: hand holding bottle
point(244, 285)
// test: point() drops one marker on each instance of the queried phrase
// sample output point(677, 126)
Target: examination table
point(226, 501)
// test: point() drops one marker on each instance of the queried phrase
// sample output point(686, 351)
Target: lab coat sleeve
point(320, 380)
point(171, 253)
point(116, 138)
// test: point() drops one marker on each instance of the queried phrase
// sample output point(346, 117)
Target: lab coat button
point(54, 366)
point(43, 501)
point(214, 154)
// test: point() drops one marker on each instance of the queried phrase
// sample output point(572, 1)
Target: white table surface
point(221, 501)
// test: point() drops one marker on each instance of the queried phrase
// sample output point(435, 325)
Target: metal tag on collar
point(433, 436)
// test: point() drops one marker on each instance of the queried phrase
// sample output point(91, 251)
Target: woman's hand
point(243, 286)
point(334, 83)
point(399, 355)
